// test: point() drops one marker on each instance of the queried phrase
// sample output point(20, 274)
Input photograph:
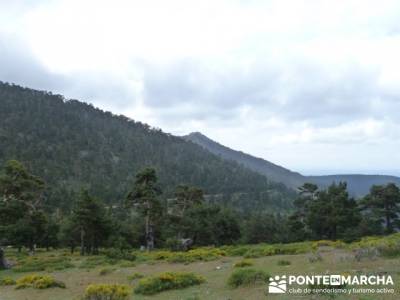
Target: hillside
point(71, 144)
point(358, 185)
point(272, 171)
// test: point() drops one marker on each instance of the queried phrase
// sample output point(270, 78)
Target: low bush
point(7, 281)
point(167, 281)
point(260, 251)
point(107, 292)
point(283, 262)
point(38, 282)
point(370, 253)
point(314, 257)
point(328, 243)
point(135, 276)
point(243, 263)
point(292, 248)
point(235, 250)
point(106, 271)
point(376, 241)
point(95, 261)
point(173, 244)
point(119, 255)
point(390, 249)
point(127, 264)
point(161, 255)
point(247, 277)
point(37, 263)
point(199, 254)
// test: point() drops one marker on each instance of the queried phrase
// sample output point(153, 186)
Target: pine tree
point(144, 198)
point(90, 217)
point(383, 202)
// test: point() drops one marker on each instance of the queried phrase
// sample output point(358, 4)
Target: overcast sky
point(310, 85)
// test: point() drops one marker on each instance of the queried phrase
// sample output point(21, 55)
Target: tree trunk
point(82, 242)
point(150, 241)
point(388, 223)
point(3, 264)
point(149, 234)
point(387, 218)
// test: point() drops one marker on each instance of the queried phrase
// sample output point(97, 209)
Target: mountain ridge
point(358, 184)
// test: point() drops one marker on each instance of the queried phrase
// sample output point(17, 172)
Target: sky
point(310, 85)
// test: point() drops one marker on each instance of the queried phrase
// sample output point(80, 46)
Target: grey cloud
point(207, 91)
point(19, 66)
point(295, 93)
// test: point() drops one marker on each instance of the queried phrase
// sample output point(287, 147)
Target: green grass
point(216, 269)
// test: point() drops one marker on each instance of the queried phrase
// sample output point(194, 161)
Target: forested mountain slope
point(358, 185)
point(262, 166)
point(72, 144)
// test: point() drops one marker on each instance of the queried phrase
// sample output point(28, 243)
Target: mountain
point(358, 185)
point(272, 171)
point(71, 144)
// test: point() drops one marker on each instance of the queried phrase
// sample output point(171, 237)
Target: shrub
point(314, 257)
point(135, 276)
point(167, 281)
point(370, 253)
point(7, 281)
point(161, 255)
point(327, 243)
point(200, 254)
point(292, 248)
point(95, 261)
point(283, 262)
point(373, 241)
point(127, 264)
point(106, 271)
point(38, 282)
point(247, 277)
point(173, 244)
point(390, 249)
point(243, 263)
point(35, 264)
point(107, 292)
point(236, 250)
point(119, 255)
point(259, 251)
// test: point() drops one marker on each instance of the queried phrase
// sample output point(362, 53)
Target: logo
point(328, 284)
point(277, 285)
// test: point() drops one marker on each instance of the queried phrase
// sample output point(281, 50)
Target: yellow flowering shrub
point(7, 281)
point(38, 282)
point(107, 292)
point(167, 281)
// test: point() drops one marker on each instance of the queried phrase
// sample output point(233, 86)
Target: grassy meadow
point(211, 267)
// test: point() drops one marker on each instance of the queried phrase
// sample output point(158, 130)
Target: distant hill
point(72, 145)
point(358, 185)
